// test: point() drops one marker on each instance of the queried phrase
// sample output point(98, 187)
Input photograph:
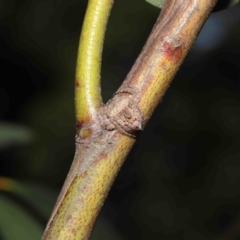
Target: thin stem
point(88, 91)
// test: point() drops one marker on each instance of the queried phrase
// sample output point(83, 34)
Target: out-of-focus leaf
point(15, 223)
point(233, 2)
point(41, 198)
point(156, 3)
point(12, 134)
point(159, 3)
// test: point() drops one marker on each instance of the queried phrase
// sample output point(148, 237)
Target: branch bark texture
point(102, 144)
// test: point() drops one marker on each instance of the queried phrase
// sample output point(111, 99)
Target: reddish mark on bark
point(77, 84)
point(172, 51)
point(79, 124)
point(82, 123)
point(103, 156)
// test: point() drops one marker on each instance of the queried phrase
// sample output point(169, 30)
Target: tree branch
point(103, 145)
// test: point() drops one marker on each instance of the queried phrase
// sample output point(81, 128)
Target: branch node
point(122, 112)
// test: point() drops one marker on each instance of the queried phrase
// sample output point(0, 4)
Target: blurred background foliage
point(181, 180)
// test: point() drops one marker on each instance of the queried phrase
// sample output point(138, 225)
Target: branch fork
point(106, 133)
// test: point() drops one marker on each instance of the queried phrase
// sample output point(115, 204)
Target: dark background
point(181, 180)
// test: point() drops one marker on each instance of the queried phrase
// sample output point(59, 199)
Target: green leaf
point(156, 3)
point(15, 223)
point(11, 134)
